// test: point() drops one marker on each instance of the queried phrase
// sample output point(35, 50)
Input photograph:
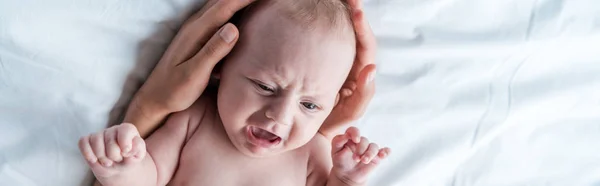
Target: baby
point(276, 88)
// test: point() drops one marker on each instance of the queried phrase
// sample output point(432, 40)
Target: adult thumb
point(365, 89)
point(219, 45)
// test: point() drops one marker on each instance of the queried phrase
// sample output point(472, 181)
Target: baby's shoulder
point(319, 149)
point(318, 144)
point(204, 103)
point(199, 113)
point(319, 159)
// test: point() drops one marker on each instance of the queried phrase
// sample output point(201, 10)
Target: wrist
point(144, 108)
point(336, 178)
point(145, 114)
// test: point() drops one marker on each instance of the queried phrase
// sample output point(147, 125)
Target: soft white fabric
point(470, 92)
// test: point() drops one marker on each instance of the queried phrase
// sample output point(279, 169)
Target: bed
point(469, 92)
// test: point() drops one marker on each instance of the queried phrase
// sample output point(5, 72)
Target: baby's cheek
point(302, 133)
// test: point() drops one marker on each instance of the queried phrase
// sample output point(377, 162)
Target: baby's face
point(280, 83)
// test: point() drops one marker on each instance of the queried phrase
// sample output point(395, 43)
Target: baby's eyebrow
point(313, 95)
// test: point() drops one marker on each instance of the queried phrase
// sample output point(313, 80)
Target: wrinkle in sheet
point(498, 110)
point(4, 79)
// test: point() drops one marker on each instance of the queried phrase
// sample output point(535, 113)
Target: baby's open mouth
point(262, 137)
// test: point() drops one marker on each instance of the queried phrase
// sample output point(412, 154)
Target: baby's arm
point(166, 143)
point(112, 165)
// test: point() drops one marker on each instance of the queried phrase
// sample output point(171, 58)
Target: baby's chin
point(253, 151)
point(257, 153)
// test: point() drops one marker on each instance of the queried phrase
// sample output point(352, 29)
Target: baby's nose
point(281, 112)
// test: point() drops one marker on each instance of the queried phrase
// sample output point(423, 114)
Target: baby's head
point(283, 77)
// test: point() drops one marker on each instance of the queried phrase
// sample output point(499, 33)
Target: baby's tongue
point(262, 134)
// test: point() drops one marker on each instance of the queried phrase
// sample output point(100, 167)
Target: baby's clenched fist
point(111, 150)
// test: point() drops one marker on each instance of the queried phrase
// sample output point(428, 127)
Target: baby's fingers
point(113, 152)
point(138, 151)
point(381, 155)
point(125, 134)
point(86, 150)
point(370, 153)
point(98, 147)
point(338, 143)
point(354, 134)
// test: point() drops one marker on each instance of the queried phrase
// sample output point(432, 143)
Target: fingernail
point(106, 163)
point(346, 92)
point(227, 34)
point(371, 77)
point(365, 160)
point(92, 160)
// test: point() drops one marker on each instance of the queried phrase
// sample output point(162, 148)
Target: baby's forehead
point(289, 43)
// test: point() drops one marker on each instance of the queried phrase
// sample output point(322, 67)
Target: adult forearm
point(145, 116)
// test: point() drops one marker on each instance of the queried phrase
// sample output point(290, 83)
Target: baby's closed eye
point(262, 87)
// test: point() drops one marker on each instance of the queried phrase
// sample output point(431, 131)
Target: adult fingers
point(219, 13)
point(206, 6)
point(194, 34)
point(355, 4)
point(216, 49)
point(365, 85)
point(357, 102)
point(366, 41)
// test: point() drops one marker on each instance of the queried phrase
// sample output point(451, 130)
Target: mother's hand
point(184, 70)
point(359, 87)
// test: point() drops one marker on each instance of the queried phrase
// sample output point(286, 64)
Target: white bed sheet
point(470, 92)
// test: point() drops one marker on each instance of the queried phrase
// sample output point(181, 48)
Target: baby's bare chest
point(208, 158)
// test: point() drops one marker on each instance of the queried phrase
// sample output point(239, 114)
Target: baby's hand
point(354, 157)
point(112, 150)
